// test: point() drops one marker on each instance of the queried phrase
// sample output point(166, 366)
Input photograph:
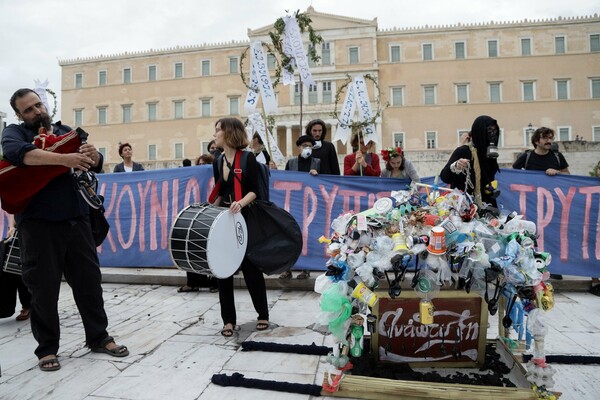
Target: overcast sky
point(35, 34)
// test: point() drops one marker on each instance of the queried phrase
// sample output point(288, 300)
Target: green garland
point(54, 110)
point(359, 125)
point(304, 23)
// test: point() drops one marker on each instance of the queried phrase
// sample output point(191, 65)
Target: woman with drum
point(231, 136)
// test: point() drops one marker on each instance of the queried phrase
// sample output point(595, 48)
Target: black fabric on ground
point(238, 380)
point(286, 348)
point(565, 359)
point(595, 290)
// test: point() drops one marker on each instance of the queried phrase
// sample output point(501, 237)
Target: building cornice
point(490, 24)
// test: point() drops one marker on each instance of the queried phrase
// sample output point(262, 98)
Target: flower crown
point(391, 152)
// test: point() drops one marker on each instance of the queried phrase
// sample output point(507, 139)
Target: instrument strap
point(237, 170)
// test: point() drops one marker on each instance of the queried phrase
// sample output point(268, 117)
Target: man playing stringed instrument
point(54, 228)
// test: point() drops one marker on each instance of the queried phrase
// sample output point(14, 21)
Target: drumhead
point(227, 243)
point(208, 240)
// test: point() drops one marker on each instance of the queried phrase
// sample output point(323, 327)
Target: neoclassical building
point(436, 79)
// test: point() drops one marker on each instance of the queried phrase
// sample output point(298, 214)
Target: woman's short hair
point(235, 133)
point(122, 146)
point(205, 159)
point(354, 142)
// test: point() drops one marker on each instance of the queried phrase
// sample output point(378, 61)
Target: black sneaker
point(556, 277)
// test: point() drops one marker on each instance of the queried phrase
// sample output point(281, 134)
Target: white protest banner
point(260, 80)
point(294, 48)
point(40, 89)
point(357, 96)
point(257, 124)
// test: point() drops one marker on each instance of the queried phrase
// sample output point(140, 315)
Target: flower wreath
point(51, 92)
point(362, 124)
point(304, 23)
point(391, 152)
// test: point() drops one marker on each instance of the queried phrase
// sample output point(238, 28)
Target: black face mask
point(492, 138)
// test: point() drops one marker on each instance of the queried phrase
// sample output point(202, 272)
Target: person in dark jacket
point(128, 165)
point(305, 162)
point(472, 167)
point(55, 235)
point(323, 150)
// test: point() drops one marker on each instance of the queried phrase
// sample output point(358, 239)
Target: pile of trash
point(448, 241)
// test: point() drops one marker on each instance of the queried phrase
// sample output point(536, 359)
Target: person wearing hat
point(307, 163)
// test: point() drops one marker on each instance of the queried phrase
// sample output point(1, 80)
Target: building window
point(595, 84)
point(178, 151)
point(178, 109)
point(461, 132)
point(205, 67)
point(528, 91)
point(78, 117)
point(271, 62)
point(297, 97)
point(495, 92)
point(353, 56)
point(233, 65)
point(596, 133)
point(101, 78)
point(460, 51)
point(398, 139)
point(205, 107)
point(152, 72)
point(126, 75)
point(102, 150)
point(564, 133)
point(397, 97)
point(327, 95)
point(431, 140)
point(234, 105)
point(102, 115)
point(492, 48)
point(427, 51)
point(311, 63)
point(560, 45)
point(152, 152)
point(429, 94)
point(326, 53)
point(595, 43)
point(394, 53)
point(152, 111)
point(126, 113)
point(462, 93)
point(562, 89)
point(179, 70)
point(525, 46)
point(78, 80)
point(312, 94)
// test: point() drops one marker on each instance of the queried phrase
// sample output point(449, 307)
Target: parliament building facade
point(435, 80)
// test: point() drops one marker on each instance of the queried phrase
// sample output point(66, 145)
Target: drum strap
point(237, 170)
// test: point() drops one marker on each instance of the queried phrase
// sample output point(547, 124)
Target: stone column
point(288, 141)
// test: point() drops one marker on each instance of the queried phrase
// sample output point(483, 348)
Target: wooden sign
point(456, 338)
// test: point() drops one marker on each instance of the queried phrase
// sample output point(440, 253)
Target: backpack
point(264, 173)
point(529, 155)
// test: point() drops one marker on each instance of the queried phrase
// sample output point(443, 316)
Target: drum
point(208, 240)
point(12, 257)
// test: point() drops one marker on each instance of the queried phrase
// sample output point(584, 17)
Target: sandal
point(227, 332)
point(24, 315)
point(303, 275)
point(286, 275)
point(49, 364)
point(187, 289)
point(262, 325)
point(117, 351)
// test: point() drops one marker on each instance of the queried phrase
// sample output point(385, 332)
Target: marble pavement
point(176, 347)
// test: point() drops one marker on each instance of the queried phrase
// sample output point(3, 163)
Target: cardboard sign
point(456, 338)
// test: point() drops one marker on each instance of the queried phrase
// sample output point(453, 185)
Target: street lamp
point(529, 132)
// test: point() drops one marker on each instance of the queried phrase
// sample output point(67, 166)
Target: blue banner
point(142, 206)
